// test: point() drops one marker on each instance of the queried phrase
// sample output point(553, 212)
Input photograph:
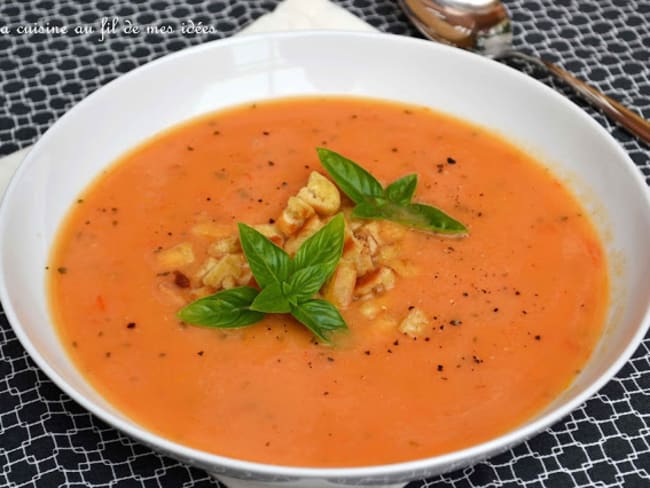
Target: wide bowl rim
point(393, 470)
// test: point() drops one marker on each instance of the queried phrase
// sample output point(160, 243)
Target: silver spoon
point(484, 26)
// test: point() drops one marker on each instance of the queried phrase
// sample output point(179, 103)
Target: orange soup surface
point(514, 308)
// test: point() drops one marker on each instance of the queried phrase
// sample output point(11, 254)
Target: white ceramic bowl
point(224, 73)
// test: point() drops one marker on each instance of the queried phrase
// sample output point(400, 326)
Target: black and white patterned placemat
point(46, 440)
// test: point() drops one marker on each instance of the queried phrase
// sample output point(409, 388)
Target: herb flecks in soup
point(501, 321)
point(288, 285)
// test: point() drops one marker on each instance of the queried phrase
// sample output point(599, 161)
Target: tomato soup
point(513, 309)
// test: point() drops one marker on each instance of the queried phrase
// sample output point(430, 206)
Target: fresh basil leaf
point(271, 300)
point(415, 215)
point(351, 178)
point(268, 262)
point(431, 218)
point(305, 282)
point(319, 316)
point(401, 191)
point(324, 247)
point(369, 210)
point(226, 309)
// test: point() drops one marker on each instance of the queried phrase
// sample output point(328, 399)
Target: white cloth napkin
point(288, 15)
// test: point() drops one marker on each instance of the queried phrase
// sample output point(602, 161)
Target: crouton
point(358, 254)
point(391, 232)
point(212, 230)
point(230, 266)
point(294, 216)
point(310, 227)
point(415, 322)
point(245, 275)
point(388, 253)
point(340, 287)
point(223, 246)
point(207, 265)
point(376, 282)
point(176, 257)
point(271, 232)
point(371, 309)
point(228, 282)
point(321, 194)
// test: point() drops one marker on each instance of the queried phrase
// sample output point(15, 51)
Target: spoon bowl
point(485, 27)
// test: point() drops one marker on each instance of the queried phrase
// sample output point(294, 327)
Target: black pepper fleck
point(451, 161)
point(62, 269)
point(130, 325)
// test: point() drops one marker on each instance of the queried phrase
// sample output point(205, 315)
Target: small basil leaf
point(431, 218)
point(271, 300)
point(351, 178)
point(324, 247)
point(226, 309)
point(401, 191)
point(305, 282)
point(414, 215)
point(368, 210)
point(319, 316)
point(268, 262)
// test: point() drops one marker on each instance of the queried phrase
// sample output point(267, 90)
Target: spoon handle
point(637, 125)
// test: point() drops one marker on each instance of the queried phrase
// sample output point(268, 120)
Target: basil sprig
point(287, 284)
point(392, 203)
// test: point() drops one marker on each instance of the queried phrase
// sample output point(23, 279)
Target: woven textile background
point(46, 440)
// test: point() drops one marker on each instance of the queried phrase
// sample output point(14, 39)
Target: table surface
point(47, 440)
